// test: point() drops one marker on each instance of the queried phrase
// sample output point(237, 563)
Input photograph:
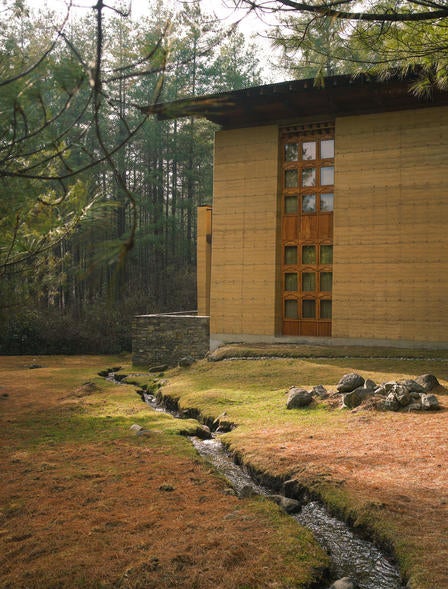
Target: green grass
point(335, 351)
point(251, 393)
point(254, 391)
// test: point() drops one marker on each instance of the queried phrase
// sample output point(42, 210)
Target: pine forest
point(98, 202)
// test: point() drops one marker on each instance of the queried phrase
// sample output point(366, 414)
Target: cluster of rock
point(354, 390)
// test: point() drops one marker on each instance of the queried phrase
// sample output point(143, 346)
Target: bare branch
point(327, 9)
point(44, 55)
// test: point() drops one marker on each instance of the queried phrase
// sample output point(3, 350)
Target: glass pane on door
point(291, 309)
point(308, 309)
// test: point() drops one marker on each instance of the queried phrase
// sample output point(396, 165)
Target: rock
point(389, 386)
point(186, 361)
point(370, 384)
point(429, 402)
point(379, 402)
point(350, 382)
point(295, 490)
point(427, 381)
point(380, 390)
point(160, 368)
point(415, 406)
point(415, 396)
point(403, 397)
point(139, 430)
point(298, 397)
point(136, 428)
point(203, 432)
point(398, 396)
point(287, 504)
point(247, 491)
point(391, 403)
point(356, 397)
point(411, 385)
point(344, 583)
point(167, 488)
point(319, 391)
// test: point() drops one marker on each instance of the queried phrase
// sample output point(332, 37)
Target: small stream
point(351, 555)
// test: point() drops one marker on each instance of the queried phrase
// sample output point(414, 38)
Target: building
point(330, 213)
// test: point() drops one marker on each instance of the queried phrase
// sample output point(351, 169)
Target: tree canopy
point(97, 201)
point(377, 36)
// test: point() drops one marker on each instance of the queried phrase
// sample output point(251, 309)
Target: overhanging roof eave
point(340, 95)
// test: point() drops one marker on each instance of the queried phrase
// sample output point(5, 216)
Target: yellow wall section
point(204, 253)
point(390, 226)
point(244, 263)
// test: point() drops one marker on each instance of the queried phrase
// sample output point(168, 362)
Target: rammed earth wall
point(166, 338)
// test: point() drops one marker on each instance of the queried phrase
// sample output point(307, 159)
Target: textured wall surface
point(245, 229)
point(165, 339)
point(390, 268)
point(204, 258)
point(390, 226)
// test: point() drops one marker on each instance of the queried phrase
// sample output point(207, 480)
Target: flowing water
point(351, 556)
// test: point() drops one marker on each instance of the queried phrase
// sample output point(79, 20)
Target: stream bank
point(352, 555)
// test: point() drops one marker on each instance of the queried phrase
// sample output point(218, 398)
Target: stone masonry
point(166, 338)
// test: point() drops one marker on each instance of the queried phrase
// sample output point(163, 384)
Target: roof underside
point(341, 95)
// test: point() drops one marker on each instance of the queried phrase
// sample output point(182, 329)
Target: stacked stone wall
point(166, 338)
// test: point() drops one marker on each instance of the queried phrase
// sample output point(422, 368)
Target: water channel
point(351, 555)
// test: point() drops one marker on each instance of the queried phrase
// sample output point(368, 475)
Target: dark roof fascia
point(342, 95)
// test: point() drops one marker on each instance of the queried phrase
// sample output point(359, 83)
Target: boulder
point(429, 402)
point(370, 384)
point(287, 504)
point(398, 396)
point(403, 396)
point(136, 428)
point(350, 382)
point(356, 397)
point(298, 398)
point(411, 385)
point(391, 403)
point(319, 391)
point(427, 381)
point(139, 430)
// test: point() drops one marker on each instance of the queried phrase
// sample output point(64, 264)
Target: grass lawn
point(385, 472)
point(85, 502)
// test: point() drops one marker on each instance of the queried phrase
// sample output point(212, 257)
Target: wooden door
point(307, 170)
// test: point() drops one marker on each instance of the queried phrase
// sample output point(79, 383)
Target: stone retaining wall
point(166, 338)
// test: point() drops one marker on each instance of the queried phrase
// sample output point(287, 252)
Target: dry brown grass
point(86, 503)
point(386, 472)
